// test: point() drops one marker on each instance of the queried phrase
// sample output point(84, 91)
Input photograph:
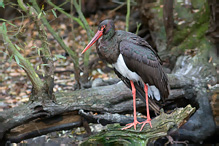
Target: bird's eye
point(103, 27)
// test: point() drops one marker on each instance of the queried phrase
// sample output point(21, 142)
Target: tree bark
point(168, 20)
point(213, 31)
point(47, 61)
point(107, 99)
point(161, 126)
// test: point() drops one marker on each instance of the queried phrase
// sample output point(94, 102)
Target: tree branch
point(47, 60)
point(127, 15)
point(21, 61)
point(67, 14)
point(168, 20)
point(90, 34)
point(73, 55)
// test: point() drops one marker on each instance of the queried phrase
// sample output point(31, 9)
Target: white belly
point(121, 67)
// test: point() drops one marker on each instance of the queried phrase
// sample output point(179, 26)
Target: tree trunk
point(168, 20)
point(214, 21)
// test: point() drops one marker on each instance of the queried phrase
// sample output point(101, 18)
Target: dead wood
point(115, 98)
point(162, 124)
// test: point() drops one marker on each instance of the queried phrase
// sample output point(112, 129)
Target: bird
point(136, 63)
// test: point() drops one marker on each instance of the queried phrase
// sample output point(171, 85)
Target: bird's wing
point(146, 63)
point(134, 39)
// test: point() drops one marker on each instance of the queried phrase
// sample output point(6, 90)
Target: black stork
point(135, 62)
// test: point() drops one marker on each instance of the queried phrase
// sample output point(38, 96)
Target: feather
point(142, 59)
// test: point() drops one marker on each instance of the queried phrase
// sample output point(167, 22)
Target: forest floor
point(15, 86)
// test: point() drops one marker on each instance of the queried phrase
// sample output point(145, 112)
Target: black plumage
point(136, 63)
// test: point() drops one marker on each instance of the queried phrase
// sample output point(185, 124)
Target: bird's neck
point(107, 49)
point(109, 35)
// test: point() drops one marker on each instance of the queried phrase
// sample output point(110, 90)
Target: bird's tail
point(141, 94)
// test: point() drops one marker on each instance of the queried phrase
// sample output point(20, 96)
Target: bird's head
point(106, 28)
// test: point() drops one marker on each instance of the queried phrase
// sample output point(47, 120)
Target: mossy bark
point(113, 135)
point(107, 99)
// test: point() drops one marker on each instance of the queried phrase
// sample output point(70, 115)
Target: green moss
point(158, 14)
point(183, 12)
point(205, 45)
point(180, 35)
point(187, 35)
point(197, 4)
point(194, 39)
point(162, 34)
point(196, 28)
point(113, 135)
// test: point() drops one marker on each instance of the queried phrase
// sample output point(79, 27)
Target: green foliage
point(11, 57)
point(38, 51)
point(4, 27)
point(60, 56)
point(39, 15)
point(2, 4)
point(187, 36)
point(68, 15)
point(54, 13)
point(183, 12)
point(18, 47)
point(18, 61)
point(197, 4)
point(127, 15)
point(1, 19)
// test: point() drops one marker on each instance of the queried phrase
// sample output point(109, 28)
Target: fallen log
point(106, 99)
point(162, 124)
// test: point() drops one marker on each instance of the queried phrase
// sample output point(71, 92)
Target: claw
point(145, 122)
point(130, 125)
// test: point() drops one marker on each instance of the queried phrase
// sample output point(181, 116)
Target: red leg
point(134, 106)
point(147, 107)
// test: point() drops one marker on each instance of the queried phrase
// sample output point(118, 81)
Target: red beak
point(94, 39)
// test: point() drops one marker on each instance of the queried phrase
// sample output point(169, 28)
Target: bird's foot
point(145, 122)
point(131, 124)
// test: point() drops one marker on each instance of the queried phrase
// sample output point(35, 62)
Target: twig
point(117, 8)
point(138, 26)
point(73, 54)
point(47, 59)
point(68, 15)
point(90, 33)
point(127, 15)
